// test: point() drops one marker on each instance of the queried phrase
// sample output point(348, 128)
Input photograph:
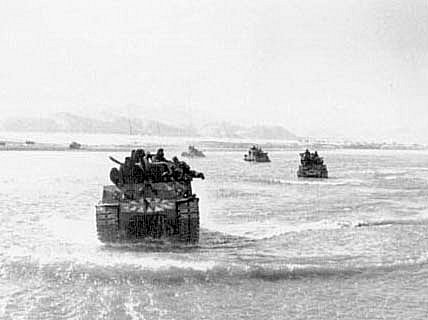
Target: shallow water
point(272, 246)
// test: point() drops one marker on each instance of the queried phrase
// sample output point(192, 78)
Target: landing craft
point(149, 200)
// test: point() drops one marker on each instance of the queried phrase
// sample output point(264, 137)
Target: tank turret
point(192, 152)
point(75, 145)
point(312, 166)
point(256, 154)
point(149, 199)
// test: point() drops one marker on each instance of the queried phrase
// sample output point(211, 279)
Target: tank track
point(183, 225)
point(188, 220)
point(107, 220)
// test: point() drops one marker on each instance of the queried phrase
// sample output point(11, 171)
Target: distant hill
point(268, 132)
point(67, 122)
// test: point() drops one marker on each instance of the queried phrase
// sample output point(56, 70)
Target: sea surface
point(272, 246)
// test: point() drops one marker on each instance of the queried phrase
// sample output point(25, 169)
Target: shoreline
point(218, 146)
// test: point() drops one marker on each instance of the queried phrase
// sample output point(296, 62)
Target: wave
point(418, 219)
point(269, 229)
point(69, 272)
point(260, 231)
point(274, 231)
point(322, 182)
point(387, 222)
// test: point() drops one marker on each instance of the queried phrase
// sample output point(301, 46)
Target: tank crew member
point(126, 171)
point(133, 155)
point(177, 172)
point(160, 157)
point(148, 158)
point(131, 171)
point(139, 159)
point(317, 159)
point(167, 170)
point(138, 174)
point(116, 177)
point(307, 154)
point(185, 172)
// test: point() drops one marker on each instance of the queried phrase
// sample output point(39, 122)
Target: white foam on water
point(258, 230)
point(317, 182)
point(416, 219)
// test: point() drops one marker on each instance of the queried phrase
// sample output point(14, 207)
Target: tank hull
point(257, 159)
point(256, 155)
point(253, 158)
point(159, 214)
point(313, 172)
point(192, 155)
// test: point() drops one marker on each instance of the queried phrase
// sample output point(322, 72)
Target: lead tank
point(156, 204)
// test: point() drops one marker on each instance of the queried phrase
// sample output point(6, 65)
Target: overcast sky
point(351, 68)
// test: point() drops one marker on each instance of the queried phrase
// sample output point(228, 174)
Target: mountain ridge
point(68, 122)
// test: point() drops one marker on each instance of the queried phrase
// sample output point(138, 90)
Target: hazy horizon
point(352, 69)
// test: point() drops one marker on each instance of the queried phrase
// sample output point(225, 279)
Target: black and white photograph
point(214, 159)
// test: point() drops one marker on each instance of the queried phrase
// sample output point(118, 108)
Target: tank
point(312, 166)
point(75, 145)
point(151, 206)
point(193, 153)
point(256, 154)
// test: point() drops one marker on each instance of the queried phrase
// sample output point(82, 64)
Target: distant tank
point(75, 145)
point(150, 200)
point(193, 153)
point(256, 154)
point(312, 166)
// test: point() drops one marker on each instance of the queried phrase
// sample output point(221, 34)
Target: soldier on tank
point(138, 174)
point(132, 171)
point(184, 172)
point(177, 172)
point(126, 171)
point(317, 159)
point(165, 164)
point(133, 154)
point(160, 156)
point(139, 160)
point(116, 177)
point(148, 160)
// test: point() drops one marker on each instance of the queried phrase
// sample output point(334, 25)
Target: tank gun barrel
point(115, 161)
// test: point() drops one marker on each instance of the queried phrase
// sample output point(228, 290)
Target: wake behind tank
point(151, 197)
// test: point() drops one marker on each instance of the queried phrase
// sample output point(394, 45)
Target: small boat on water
point(256, 154)
point(193, 153)
point(312, 166)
